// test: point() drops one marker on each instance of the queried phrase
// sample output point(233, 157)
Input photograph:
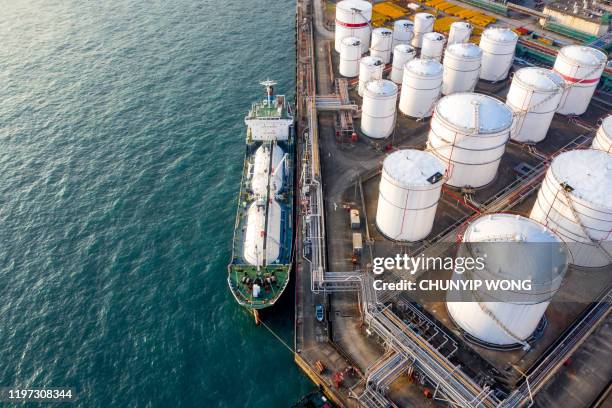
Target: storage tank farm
point(433, 46)
point(421, 86)
point(370, 68)
point(409, 191)
point(581, 68)
point(380, 46)
point(461, 68)
point(353, 20)
point(402, 53)
point(468, 133)
point(423, 24)
point(534, 96)
point(574, 202)
point(350, 54)
point(498, 46)
point(460, 32)
point(403, 31)
point(603, 137)
point(379, 108)
point(513, 248)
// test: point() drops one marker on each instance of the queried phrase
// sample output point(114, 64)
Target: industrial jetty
point(429, 128)
point(263, 233)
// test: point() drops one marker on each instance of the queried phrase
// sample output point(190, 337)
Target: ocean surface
point(121, 145)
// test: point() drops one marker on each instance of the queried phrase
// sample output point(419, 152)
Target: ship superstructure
point(263, 233)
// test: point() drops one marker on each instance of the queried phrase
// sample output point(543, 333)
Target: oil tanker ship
point(263, 232)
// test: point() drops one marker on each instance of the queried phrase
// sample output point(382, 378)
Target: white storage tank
point(498, 45)
point(370, 69)
point(350, 53)
point(461, 68)
point(433, 45)
point(381, 44)
point(460, 32)
point(468, 133)
point(256, 233)
point(534, 96)
point(581, 68)
point(420, 87)
point(261, 166)
point(603, 138)
point(514, 248)
point(423, 24)
point(403, 31)
point(575, 202)
point(379, 109)
point(402, 53)
point(409, 191)
point(352, 20)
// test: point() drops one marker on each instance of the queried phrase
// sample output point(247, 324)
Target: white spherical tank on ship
point(370, 69)
point(402, 53)
point(534, 96)
point(461, 68)
point(433, 45)
point(381, 44)
point(353, 20)
point(460, 32)
point(511, 248)
point(574, 201)
point(423, 24)
point(409, 191)
point(468, 133)
point(261, 166)
point(255, 251)
point(603, 137)
point(379, 109)
point(498, 46)
point(420, 87)
point(581, 68)
point(403, 31)
point(350, 54)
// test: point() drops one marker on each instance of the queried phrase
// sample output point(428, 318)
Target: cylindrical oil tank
point(534, 96)
point(461, 68)
point(498, 45)
point(460, 32)
point(379, 108)
point(603, 138)
point(409, 191)
point(255, 252)
point(420, 87)
point(261, 166)
point(468, 133)
point(574, 201)
point(350, 53)
point(403, 31)
point(511, 248)
point(402, 53)
point(352, 20)
point(581, 68)
point(381, 44)
point(370, 69)
point(423, 24)
point(433, 45)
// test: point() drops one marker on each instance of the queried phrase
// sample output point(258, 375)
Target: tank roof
point(404, 48)
point(588, 172)
point(360, 5)
point(382, 87)
point(382, 31)
point(500, 34)
point(539, 78)
point(403, 23)
point(371, 60)
point(462, 24)
point(412, 167)
point(510, 227)
point(606, 125)
point(434, 36)
point(351, 41)
point(464, 50)
point(426, 67)
point(584, 55)
point(460, 110)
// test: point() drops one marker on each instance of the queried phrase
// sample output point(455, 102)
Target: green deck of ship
point(268, 295)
